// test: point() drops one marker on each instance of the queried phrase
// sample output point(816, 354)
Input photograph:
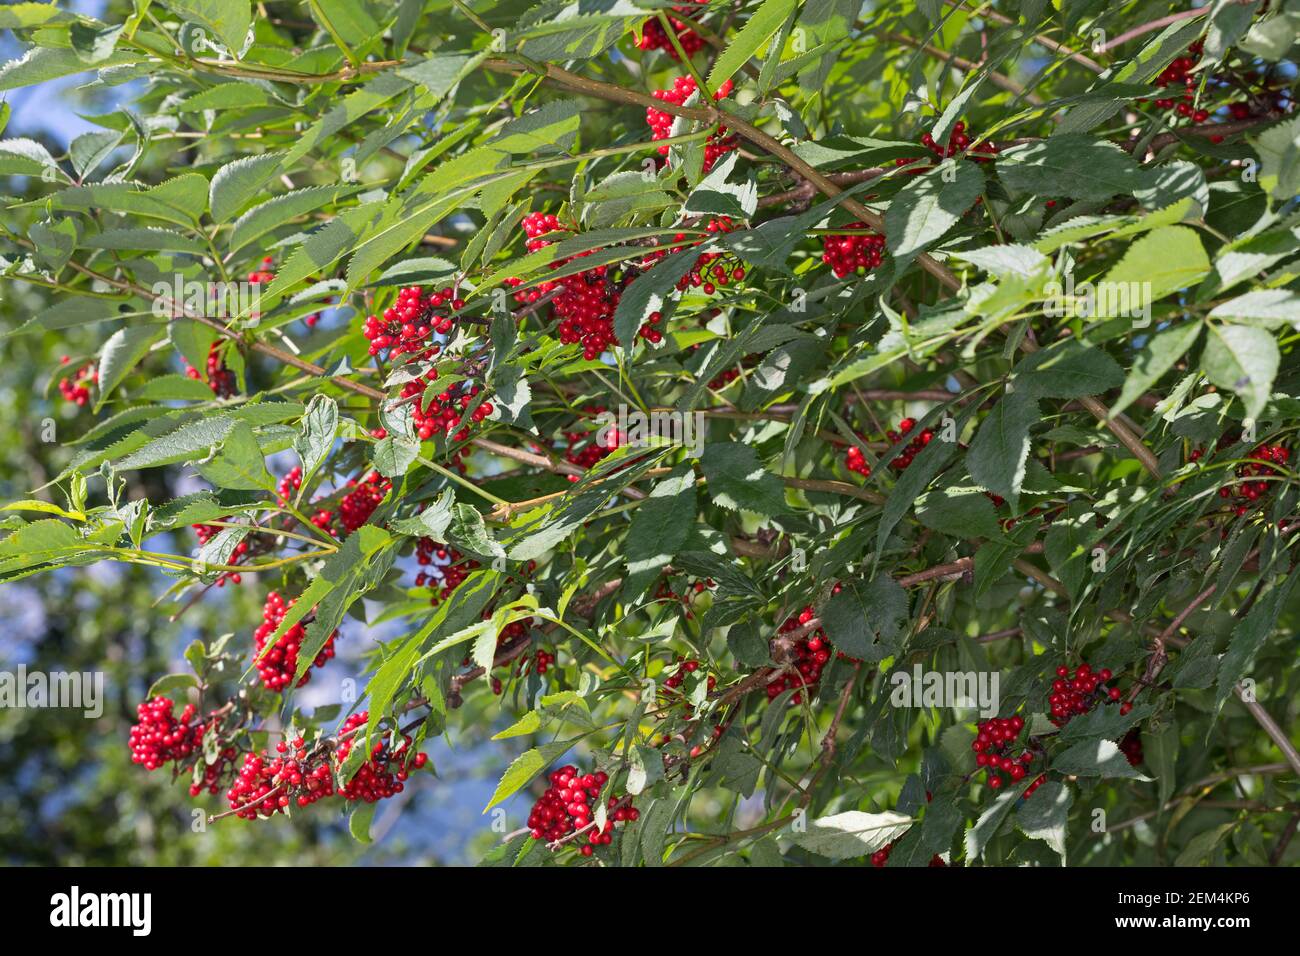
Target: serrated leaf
point(1243, 359)
point(844, 836)
point(737, 480)
point(119, 356)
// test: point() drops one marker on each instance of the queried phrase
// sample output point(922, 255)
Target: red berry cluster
point(661, 123)
point(409, 323)
point(385, 773)
point(158, 737)
point(585, 302)
point(565, 808)
point(1131, 746)
point(881, 857)
point(853, 253)
point(810, 655)
point(263, 275)
point(278, 666)
point(444, 411)
point(1077, 693)
point(653, 37)
point(267, 785)
point(960, 143)
point(289, 484)
point(707, 274)
point(684, 668)
point(219, 378)
point(1263, 464)
point(1179, 74)
point(903, 459)
point(449, 576)
point(360, 503)
point(855, 460)
point(993, 742)
point(77, 388)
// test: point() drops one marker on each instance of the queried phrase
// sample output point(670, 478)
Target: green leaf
point(1001, 446)
point(1279, 159)
point(360, 819)
point(1096, 758)
point(865, 620)
point(1269, 307)
point(1157, 358)
point(738, 481)
point(661, 526)
point(758, 29)
point(150, 239)
point(929, 206)
point(1243, 359)
point(1045, 815)
point(1071, 165)
point(228, 20)
point(1248, 637)
point(235, 184)
point(649, 292)
point(42, 64)
point(316, 434)
point(961, 512)
point(1161, 262)
point(273, 213)
point(1071, 369)
point(120, 353)
point(525, 767)
point(237, 462)
point(844, 836)
point(983, 830)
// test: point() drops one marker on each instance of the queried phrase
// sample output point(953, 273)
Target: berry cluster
point(993, 742)
point(881, 857)
point(661, 123)
point(585, 449)
point(686, 667)
point(360, 503)
point(707, 274)
point(278, 666)
point(1179, 74)
point(263, 275)
point(653, 37)
point(407, 326)
point(855, 460)
point(77, 388)
point(1263, 464)
point(384, 774)
point(903, 459)
point(809, 656)
point(960, 143)
point(444, 411)
point(158, 737)
point(267, 785)
point(853, 253)
point(219, 378)
point(289, 484)
point(450, 575)
point(565, 808)
point(584, 302)
point(1078, 692)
